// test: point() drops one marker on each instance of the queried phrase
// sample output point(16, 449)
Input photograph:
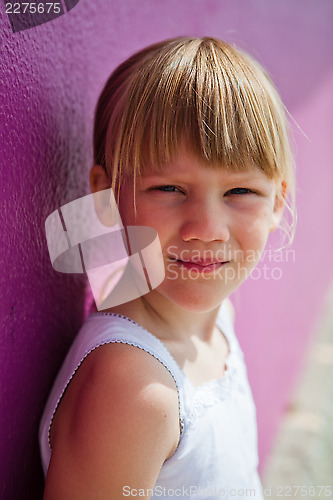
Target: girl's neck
point(166, 320)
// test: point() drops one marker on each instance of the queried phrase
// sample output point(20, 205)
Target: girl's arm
point(117, 423)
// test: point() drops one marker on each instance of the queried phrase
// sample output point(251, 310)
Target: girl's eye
point(239, 191)
point(168, 189)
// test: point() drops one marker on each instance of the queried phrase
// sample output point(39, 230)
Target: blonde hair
point(201, 90)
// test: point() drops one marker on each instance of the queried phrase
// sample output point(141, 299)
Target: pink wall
point(51, 76)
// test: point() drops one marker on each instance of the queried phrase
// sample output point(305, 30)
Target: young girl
point(153, 398)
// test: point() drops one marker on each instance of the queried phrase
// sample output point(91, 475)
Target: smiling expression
point(213, 224)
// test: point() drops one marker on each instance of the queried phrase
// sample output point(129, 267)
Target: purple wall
point(51, 76)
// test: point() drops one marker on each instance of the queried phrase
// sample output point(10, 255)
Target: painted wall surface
point(51, 76)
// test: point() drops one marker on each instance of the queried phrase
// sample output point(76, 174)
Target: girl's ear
point(99, 179)
point(280, 198)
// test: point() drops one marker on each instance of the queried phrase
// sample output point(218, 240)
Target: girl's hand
point(117, 423)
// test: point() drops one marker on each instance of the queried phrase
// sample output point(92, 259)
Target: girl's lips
point(201, 266)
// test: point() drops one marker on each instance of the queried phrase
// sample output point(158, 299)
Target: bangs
point(201, 91)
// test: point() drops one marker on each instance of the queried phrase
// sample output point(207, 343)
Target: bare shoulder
point(230, 307)
point(117, 423)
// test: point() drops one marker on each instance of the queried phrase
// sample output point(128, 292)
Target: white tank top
point(217, 452)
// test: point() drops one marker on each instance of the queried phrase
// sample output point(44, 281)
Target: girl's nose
point(205, 223)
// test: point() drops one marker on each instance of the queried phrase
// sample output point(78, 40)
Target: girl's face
point(212, 224)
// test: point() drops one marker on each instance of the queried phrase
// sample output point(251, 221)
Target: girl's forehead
point(186, 162)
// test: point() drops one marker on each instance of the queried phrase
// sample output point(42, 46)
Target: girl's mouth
point(201, 266)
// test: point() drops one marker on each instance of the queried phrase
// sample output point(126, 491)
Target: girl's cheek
point(260, 215)
point(255, 230)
